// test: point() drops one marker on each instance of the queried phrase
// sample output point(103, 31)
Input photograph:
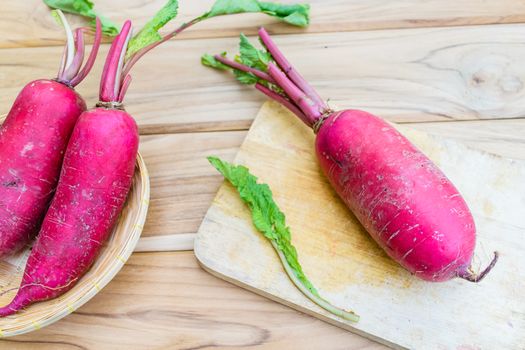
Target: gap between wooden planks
point(167, 301)
point(327, 16)
point(184, 184)
point(459, 73)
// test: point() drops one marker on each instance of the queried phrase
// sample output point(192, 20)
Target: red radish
point(403, 200)
point(94, 183)
point(33, 139)
point(99, 163)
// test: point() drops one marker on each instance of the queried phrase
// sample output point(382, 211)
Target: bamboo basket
point(114, 255)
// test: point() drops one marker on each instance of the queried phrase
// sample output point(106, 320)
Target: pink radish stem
point(138, 55)
point(92, 56)
point(124, 89)
point(80, 49)
point(70, 72)
point(289, 70)
point(242, 67)
point(111, 79)
point(308, 106)
point(282, 100)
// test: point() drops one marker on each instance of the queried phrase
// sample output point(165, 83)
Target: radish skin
point(33, 140)
point(402, 199)
point(32, 143)
point(94, 183)
point(92, 190)
point(98, 166)
point(409, 207)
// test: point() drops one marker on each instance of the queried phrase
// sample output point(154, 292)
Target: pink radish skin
point(402, 199)
point(33, 140)
point(95, 180)
point(32, 144)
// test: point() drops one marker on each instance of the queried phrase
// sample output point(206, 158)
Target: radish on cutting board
point(99, 162)
point(33, 140)
point(399, 195)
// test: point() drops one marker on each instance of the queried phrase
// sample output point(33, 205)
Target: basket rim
point(63, 307)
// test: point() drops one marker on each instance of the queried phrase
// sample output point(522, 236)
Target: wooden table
point(443, 66)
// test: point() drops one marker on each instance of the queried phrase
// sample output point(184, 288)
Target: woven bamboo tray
point(113, 256)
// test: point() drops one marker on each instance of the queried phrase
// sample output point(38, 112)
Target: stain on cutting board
point(349, 268)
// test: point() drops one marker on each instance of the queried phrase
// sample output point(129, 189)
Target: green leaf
point(83, 8)
point(245, 78)
point(229, 7)
point(271, 222)
point(297, 14)
point(252, 57)
point(249, 56)
point(210, 61)
point(149, 34)
point(266, 215)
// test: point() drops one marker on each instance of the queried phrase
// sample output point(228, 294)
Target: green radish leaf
point(243, 77)
point(84, 8)
point(266, 215)
point(271, 222)
point(249, 56)
point(210, 61)
point(252, 57)
point(149, 34)
point(297, 14)
point(230, 7)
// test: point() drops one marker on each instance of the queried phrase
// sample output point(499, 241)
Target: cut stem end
point(477, 277)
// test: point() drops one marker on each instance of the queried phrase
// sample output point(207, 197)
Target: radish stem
point(347, 315)
point(125, 85)
point(289, 70)
point(236, 65)
point(138, 55)
point(92, 55)
point(282, 100)
point(111, 76)
point(73, 70)
point(304, 102)
point(118, 75)
point(70, 41)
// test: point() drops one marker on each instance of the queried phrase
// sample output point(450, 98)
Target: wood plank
point(183, 307)
point(452, 74)
point(504, 138)
point(327, 16)
point(183, 184)
point(166, 243)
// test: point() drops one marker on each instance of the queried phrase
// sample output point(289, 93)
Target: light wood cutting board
point(345, 264)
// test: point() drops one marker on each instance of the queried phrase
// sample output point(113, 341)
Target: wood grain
point(34, 26)
point(166, 301)
point(167, 243)
point(183, 184)
point(349, 268)
point(458, 73)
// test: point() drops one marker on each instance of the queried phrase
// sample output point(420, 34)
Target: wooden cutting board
point(345, 264)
